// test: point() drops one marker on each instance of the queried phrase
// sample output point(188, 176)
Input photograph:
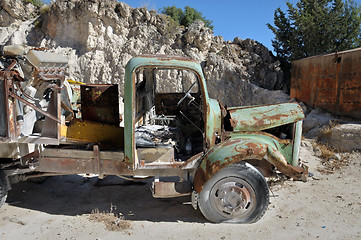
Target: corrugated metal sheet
point(332, 82)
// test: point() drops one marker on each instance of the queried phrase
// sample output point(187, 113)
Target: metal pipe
point(34, 107)
point(296, 143)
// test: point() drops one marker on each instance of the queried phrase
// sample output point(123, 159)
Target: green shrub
point(36, 3)
point(186, 17)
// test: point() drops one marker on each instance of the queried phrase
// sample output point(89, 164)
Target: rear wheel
point(238, 193)
point(3, 189)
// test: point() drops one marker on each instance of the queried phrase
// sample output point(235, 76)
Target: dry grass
point(275, 183)
point(112, 221)
point(331, 158)
point(327, 129)
point(326, 151)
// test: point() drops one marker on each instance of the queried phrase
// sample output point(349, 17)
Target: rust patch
point(12, 130)
point(199, 180)
point(249, 151)
point(65, 165)
point(263, 117)
point(297, 173)
point(252, 150)
point(25, 160)
point(252, 153)
point(255, 148)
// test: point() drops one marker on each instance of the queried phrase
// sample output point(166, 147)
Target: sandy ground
point(328, 206)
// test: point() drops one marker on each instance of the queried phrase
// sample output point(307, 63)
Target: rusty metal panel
point(81, 165)
point(99, 103)
point(332, 82)
point(257, 118)
point(243, 146)
point(73, 161)
point(13, 132)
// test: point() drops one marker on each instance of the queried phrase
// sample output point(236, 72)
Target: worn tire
point(3, 189)
point(236, 194)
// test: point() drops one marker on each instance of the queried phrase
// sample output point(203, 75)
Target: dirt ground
point(328, 206)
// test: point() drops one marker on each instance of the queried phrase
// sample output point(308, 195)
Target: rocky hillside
point(100, 36)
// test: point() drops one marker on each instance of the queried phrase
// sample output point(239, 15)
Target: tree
point(186, 17)
point(314, 27)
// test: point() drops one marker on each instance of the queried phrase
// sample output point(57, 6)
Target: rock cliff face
point(99, 37)
point(13, 10)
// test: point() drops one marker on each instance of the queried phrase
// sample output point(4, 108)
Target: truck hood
point(257, 118)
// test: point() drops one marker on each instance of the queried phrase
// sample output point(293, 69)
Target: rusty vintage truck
point(170, 131)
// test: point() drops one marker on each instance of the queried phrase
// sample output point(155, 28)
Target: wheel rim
point(233, 198)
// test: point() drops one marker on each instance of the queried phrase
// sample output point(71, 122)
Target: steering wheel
point(187, 95)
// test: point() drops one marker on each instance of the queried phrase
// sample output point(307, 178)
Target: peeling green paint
point(257, 118)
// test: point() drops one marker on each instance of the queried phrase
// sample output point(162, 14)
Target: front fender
point(248, 146)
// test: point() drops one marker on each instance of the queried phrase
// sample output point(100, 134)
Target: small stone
point(317, 152)
point(315, 177)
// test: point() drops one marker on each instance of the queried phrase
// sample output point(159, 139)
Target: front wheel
point(238, 194)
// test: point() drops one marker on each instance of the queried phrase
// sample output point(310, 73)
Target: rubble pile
point(99, 37)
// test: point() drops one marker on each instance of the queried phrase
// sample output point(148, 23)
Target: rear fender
point(241, 149)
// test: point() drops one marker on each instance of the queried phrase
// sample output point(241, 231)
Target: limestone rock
point(12, 10)
point(315, 121)
point(199, 36)
point(338, 132)
point(346, 137)
point(100, 36)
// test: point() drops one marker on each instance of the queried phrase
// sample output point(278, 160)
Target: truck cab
point(171, 131)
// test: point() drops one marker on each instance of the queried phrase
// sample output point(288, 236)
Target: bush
point(36, 3)
point(187, 17)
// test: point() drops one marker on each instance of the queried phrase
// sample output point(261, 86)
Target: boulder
point(345, 137)
point(315, 121)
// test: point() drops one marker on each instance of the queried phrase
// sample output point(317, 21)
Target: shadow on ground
point(76, 195)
